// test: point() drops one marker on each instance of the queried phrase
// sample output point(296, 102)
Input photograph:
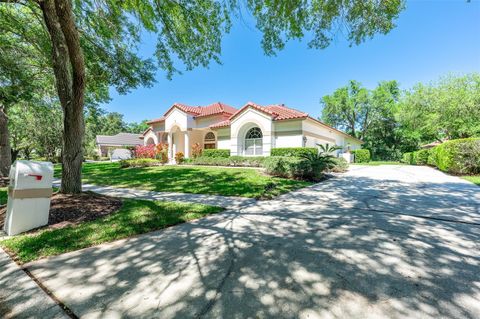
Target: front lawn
point(135, 217)
point(3, 195)
point(473, 179)
point(198, 180)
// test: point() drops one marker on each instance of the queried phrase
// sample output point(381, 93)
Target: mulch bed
point(68, 210)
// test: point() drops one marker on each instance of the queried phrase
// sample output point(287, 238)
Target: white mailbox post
point(28, 196)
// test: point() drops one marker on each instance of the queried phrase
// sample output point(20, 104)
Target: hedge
point(241, 161)
point(288, 167)
point(421, 157)
point(460, 156)
point(407, 158)
point(292, 151)
point(139, 162)
point(216, 153)
point(361, 156)
point(340, 165)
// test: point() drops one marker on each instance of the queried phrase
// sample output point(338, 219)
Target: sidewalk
point(20, 296)
point(229, 202)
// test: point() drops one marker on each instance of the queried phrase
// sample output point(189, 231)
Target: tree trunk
point(69, 70)
point(5, 152)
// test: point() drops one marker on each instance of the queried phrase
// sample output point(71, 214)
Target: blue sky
point(432, 38)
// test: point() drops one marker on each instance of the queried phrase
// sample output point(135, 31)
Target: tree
point(348, 108)
point(93, 43)
point(22, 71)
point(446, 109)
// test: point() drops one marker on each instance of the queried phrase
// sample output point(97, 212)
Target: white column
point(170, 146)
point(187, 144)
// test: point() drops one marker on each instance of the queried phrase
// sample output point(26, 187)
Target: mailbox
point(29, 196)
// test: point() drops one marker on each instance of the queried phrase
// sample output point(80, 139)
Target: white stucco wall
point(151, 135)
point(242, 123)
point(177, 118)
point(317, 133)
point(205, 122)
point(223, 138)
point(288, 134)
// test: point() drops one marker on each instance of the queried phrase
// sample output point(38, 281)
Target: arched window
point(150, 141)
point(209, 141)
point(254, 142)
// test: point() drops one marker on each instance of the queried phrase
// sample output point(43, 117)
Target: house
point(105, 143)
point(252, 130)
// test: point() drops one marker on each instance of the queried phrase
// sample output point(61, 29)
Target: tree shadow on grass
point(379, 249)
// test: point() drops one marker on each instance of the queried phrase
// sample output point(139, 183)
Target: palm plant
point(320, 161)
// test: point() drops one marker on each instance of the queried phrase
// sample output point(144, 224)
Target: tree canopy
point(92, 45)
point(391, 121)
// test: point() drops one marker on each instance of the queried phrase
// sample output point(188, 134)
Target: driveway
point(376, 242)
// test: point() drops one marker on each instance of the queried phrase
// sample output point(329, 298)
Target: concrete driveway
point(376, 242)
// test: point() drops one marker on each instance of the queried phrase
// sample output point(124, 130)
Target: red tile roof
point(199, 111)
point(220, 124)
point(161, 119)
point(276, 111)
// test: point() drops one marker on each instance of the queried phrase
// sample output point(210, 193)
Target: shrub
point(432, 156)
point(288, 167)
point(407, 158)
point(246, 161)
point(421, 157)
point(242, 161)
point(179, 157)
point(340, 165)
point(196, 150)
point(147, 151)
point(292, 151)
point(213, 161)
point(161, 152)
point(461, 156)
point(216, 153)
point(139, 162)
point(361, 156)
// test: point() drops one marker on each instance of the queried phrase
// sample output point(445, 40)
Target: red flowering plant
point(196, 150)
point(147, 151)
point(161, 152)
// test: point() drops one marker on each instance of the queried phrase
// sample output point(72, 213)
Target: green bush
point(421, 157)
point(340, 165)
point(432, 156)
point(288, 167)
point(292, 151)
point(212, 161)
point(247, 161)
point(407, 158)
point(139, 162)
point(461, 156)
point(216, 153)
point(361, 156)
point(241, 161)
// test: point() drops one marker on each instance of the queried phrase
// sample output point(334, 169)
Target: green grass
point(135, 217)
point(197, 180)
point(3, 195)
point(473, 179)
point(377, 163)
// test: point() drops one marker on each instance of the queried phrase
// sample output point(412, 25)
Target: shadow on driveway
point(404, 244)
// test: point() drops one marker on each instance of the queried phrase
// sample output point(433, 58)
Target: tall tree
point(349, 109)
point(94, 43)
point(22, 71)
point(446, 109)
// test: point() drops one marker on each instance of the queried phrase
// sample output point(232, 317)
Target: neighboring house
point(106, 143)
point(252, 130)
